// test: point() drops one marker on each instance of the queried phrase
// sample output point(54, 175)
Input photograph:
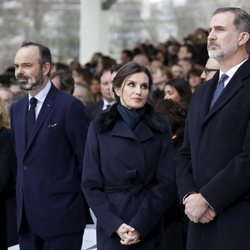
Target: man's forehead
point(106, 76)
point(222, 19)
point(27, 53)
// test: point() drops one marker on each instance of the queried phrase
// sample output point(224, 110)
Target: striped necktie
point(219, 89)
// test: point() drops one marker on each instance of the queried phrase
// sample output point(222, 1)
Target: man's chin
point(215, 54)
point(26, 86)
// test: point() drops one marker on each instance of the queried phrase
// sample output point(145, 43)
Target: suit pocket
point(52, 125)
point(65, 188)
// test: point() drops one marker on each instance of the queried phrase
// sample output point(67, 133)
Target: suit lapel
point(45, 110)
point(234, 85)
point(208, 95)
point(23, 138)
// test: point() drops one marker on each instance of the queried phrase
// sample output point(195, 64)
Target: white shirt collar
point(106, 103)
point(231, 72)
point(40, 96)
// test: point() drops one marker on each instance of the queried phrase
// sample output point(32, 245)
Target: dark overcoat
point(94, 110)
point(50, 166)
point(7, 190)
point(215, 161)
point(128, 177)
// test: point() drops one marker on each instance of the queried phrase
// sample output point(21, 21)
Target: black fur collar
point(155, 121)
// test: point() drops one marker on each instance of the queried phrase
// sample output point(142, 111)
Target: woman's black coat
point(129, 177)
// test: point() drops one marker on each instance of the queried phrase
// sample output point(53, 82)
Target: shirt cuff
point(186, 195)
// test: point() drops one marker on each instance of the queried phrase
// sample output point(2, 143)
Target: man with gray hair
point(213, 164)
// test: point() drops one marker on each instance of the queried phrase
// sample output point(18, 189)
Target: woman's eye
point(131, 84)
point(144, 86)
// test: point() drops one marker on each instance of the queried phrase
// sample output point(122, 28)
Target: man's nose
point(18, 70)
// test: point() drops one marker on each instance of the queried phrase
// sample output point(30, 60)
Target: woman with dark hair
point(175, 220)
point(176, 114)
point(128, 170)
point(178, 90)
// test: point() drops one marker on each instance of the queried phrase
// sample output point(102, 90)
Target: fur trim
point(155, 121)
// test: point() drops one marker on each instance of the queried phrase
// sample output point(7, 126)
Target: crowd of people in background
point(183, 60)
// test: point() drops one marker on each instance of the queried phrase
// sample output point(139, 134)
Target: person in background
point(178, 90)
point(161, 75)
point(126, 56)
point(107, 99)
point(6, 96)
point(177, 71)
point(8, 236)
point(16, 91)
point(211, 67)
point(82, 76)
point(95, 88)
point(194, 77)
point(63, 80)
point(187, 64)
point(83, 93)
point(186, 51)
point(104, 63)
point(176, 114)
point(74, 64)
point(59, 66)
point(175, 220)
point(213, 163)
point(141, 59)
point(199, 41)
point(129, 171)
point(49, 129)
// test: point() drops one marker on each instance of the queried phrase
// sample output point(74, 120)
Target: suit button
point(25, 167)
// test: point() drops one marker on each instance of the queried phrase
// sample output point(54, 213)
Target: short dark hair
point(66, 80)
point(128, 69)
point(128, 53)
point(45, 55)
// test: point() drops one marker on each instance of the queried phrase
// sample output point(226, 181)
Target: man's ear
point(46, 68)
point(243, 39)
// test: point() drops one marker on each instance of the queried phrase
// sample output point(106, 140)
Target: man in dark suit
point(107, 99)
point(213, 165)
point(49, 137)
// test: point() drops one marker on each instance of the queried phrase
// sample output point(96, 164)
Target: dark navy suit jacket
point(50, 166)
point(215, 161)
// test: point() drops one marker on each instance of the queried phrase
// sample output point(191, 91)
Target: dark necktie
point(31, 117)
point(219, 89)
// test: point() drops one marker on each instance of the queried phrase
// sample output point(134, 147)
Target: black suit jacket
point(215, 161)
